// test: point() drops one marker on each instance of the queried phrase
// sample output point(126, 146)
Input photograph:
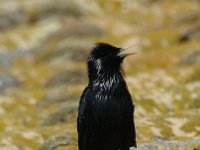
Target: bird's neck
point(106, 79)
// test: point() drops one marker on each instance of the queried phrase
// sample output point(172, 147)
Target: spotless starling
point(105, 115)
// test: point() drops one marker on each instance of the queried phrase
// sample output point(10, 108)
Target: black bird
point(105, 114)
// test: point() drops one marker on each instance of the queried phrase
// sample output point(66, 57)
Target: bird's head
point(105, 58)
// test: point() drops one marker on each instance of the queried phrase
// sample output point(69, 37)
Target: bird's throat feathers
point(105, 79)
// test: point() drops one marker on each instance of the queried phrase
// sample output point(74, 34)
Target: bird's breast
point(110, 105)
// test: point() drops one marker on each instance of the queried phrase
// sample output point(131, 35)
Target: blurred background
point(44, 46)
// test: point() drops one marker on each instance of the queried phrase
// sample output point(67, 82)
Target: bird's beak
point(124, 52)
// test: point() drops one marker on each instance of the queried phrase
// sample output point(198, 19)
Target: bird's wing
point(133, 132)
point(82, 110)
point(82, 119)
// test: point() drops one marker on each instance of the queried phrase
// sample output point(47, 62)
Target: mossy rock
point(62, 115)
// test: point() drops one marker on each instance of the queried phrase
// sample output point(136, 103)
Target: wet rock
point(8, 81)
point(63, 114)
point(190, 34)
point(65, 77)
point(56, 141)
point(192, 57)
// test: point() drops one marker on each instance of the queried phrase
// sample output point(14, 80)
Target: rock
point(63, 114)
point(8, 81)
point(161, 144)
point(7, 58)
point(69, 42)
point(52, 98)
point(56, 141)
point(39, 10)
point(195, 76)
point(58, 95)
point(151, 1)
point(188, 17)
point(12, 18)
point(33, 11)
point(190, 33)
point(9, 147)
point(66, 77)
point(62, 50)
point(83, 28)
point(192, 57)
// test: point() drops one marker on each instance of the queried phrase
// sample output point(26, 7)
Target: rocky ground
point(43, 49)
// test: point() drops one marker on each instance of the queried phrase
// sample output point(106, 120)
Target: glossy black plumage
point(105, 117)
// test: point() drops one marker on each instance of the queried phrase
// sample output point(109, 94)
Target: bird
point(106, 111)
